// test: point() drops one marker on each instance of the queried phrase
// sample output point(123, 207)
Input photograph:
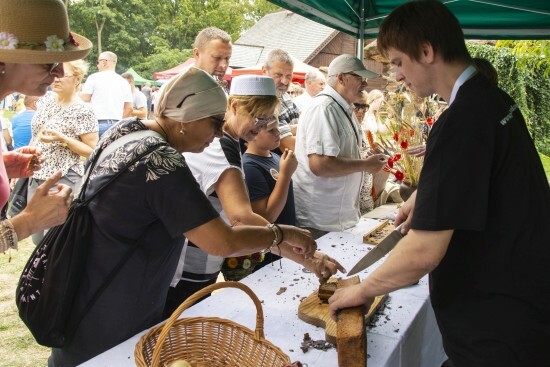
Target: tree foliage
point(150, 35)
point(522, 77)
point(530, 53)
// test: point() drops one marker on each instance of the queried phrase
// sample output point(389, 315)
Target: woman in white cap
point(34, 41)
point(148, 208)
point(218, 170)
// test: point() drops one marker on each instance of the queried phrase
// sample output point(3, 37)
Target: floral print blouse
point(73, 120)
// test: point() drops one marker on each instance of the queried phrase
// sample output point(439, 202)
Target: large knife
point(379, 251)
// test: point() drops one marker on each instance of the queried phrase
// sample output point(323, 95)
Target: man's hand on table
point(348, 297)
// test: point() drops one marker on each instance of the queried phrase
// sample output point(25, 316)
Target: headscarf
point(191, 96)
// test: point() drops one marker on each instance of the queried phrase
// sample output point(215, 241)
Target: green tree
point(146, 35)
point(531, 54)
point(94, 13)
point(523, 78)
point(162, 60)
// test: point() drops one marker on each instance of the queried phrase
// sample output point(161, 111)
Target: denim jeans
point(105, 125)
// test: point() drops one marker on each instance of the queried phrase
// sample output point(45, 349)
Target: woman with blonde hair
point(252, 104)
point(373, 184)
point(372, 120)
point(65, 130)
point(34, 40)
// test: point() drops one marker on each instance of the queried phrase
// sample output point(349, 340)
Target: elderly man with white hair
point(315, 83)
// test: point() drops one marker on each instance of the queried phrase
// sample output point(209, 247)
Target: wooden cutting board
point(313, 311)
point(380, 232)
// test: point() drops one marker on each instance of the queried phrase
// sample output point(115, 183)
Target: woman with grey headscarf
point(150, 206)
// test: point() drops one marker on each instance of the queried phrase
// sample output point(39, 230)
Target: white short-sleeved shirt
point(109, 93)
point(327, 203)
point(302, 101)
point(139, 99)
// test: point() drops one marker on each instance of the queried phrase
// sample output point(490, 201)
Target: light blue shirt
point(21, 128)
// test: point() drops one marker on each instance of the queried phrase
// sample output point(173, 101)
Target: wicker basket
point(209, 341)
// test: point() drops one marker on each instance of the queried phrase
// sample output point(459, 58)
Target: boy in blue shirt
point(269, 180)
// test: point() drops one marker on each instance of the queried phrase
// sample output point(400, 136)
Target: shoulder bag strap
point(105, 152)
point(108, 279)
point(345, 113)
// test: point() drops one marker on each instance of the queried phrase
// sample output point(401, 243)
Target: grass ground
point(19, 349)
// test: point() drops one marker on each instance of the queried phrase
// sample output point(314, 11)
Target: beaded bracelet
point(8, 236)
point(276, 241)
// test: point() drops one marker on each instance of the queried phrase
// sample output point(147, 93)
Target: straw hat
point(37, 32)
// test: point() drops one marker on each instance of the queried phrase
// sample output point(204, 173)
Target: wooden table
point(405, 335)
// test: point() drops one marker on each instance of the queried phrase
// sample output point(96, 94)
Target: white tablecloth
point(406, 335)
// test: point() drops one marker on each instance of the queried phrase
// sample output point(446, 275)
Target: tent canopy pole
point(361, 38)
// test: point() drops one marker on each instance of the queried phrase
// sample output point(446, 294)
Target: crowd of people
point(254, 169)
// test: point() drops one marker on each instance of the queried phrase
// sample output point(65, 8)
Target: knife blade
point(379, 251)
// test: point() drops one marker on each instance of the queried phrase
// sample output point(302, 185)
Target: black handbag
point(18, 196)
point(47, 287)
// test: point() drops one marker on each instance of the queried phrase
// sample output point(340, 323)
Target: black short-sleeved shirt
point(261, 175)
point(155, 201)
point(483, 178)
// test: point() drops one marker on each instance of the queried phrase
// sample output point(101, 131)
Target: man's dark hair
point(412, 24)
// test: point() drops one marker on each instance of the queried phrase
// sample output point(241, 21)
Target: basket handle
point(258, 332)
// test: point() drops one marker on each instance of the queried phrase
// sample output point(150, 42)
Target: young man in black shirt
point(479, 221)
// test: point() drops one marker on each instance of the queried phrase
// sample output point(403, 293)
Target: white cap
point(252, 85)
point(349, 64)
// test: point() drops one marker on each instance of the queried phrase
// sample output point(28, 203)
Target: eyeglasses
point(65, 76)
point(360, 106)
point(363, 79)
point(262, 121)
point(100, 60)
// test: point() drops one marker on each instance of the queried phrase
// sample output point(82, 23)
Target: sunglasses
point(360, 106)
point(52, 67)
point(219, 124)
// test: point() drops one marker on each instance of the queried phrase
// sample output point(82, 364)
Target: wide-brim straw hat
point(37, 32)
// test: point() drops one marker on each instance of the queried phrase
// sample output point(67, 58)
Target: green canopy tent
point(138, 79)
point(480, 19)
